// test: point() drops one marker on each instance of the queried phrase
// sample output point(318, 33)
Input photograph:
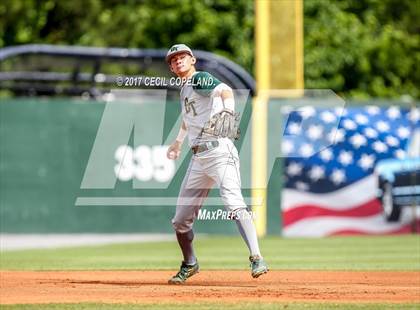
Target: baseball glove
point(223, 124)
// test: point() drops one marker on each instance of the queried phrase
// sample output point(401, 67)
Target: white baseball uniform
point(220, 165)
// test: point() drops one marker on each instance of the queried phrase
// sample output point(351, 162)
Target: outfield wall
point(45, 149)
point(50, 147)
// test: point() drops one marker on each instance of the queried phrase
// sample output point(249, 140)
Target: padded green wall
point(44, 150)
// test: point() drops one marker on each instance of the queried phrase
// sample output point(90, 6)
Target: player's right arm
point(174, 149)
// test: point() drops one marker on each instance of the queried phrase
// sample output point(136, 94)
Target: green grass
point(338, 253)
point(212, 306)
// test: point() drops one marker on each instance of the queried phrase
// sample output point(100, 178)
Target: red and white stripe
point(350, 210)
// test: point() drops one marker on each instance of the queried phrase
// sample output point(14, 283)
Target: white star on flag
point(294, 169)
point(294, 128)
point(366, 161)
point(345, 158)
point(302, 186)
point(315, 132)
point(307, 112)
point(349, 124)
point(382, 126)
point(338, 176)
point(287, 147)
point(393, 112)
point(392, 141)
point(361, 119)
point(400, 154)
point(414, 115)
point(373, 110)
point(371, 133)
point(326, 155)
point(336, 136)
point(328, 117)
point(403, 132)
point(379, 147)
point(316, 173)
point(306, 150)
point(358, 140)
point(340, 112)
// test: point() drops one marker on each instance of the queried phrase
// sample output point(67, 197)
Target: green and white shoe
point(258, 266)
point(185, 271)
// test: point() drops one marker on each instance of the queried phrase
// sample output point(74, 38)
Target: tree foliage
point(363, 48)
point(221, 26)
point(359, 48)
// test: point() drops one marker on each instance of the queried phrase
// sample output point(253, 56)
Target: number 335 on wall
point(143, 163)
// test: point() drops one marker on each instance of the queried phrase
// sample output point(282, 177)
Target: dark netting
point(47, 70)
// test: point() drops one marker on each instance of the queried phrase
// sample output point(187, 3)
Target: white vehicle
point(399, 180)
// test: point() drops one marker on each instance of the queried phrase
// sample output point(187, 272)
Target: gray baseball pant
point(218, 166)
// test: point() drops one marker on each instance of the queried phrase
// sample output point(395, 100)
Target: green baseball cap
point(177, 49)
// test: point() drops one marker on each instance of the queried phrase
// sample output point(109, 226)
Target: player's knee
point(181, 226)
point(233, 200)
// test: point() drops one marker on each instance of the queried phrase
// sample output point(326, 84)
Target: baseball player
point(210, 123)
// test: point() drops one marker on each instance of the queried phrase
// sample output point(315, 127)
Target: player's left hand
point(174, 150)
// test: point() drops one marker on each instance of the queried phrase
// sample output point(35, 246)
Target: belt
point(204, 147)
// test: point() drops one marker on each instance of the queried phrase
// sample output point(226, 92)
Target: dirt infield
point(223, 286)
